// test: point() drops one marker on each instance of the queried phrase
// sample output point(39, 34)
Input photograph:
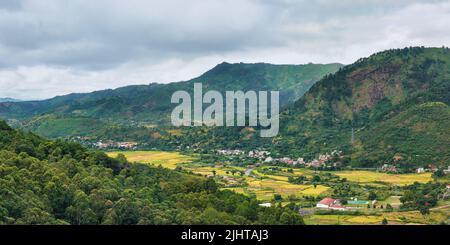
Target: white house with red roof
point(326, 203)
point(330, 203)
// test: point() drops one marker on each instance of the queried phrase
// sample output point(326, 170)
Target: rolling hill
point(396, 103)
point(150, 104)
point(8, 100)
point(389, 108)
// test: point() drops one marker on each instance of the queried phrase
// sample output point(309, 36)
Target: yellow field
point(333, 219)
point(163, 158)
point(266, 188)
point(176, 132)
point(222, 171)
point(274, 177)
point(395, 179)
point(394, 218)
point(239, 190)
point(311, 191)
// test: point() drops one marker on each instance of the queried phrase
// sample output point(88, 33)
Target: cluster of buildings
point(230, 152)
point(259, 154)
point(388, 168)
point(320, 161)
point(113, 144)
point(265, 156)
point(253, 154)
point(420, 170)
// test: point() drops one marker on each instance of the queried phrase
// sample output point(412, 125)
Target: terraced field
point(165, 159)
point(404, 218)
point(371, 177)
point(264, 186)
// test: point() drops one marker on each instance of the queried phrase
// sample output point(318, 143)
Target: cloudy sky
point(55, 47)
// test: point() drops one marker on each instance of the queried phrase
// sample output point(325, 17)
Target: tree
point(372, 195)
point(291, 218)
point(210, 186)
point(126, 212)
point(389, 207)
point(121, 158)
point(316, 178)
point(439, 174)
point(277, 197)
point(80, 212)
point(59, 196)
point(424, 210)
point(384, 221)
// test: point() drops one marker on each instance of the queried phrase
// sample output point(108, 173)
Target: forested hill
point(397, 103)
point(54, 182)
point(150, 104)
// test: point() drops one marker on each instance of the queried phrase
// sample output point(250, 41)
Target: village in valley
point(322, 190)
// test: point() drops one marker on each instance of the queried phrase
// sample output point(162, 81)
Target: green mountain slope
point(396, 103)
point(8, 100)
point(386, 99)
point(55, 182)
point(150, 104)
point(420, 135)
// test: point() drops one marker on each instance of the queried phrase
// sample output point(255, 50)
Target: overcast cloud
point(55, 47)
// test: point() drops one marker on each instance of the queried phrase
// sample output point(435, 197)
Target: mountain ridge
point(150, 104)
point(367, 98)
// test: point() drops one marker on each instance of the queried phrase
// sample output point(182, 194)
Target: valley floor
point(264, 182)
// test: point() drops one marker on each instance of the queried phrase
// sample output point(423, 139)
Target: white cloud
point(56, 47)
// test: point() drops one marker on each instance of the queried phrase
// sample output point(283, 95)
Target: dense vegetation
point(54, 182)
point(396, 103)
point(149, 105)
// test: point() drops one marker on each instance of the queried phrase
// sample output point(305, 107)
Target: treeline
point(55, 182)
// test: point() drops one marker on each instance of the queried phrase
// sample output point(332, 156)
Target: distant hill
point(150, 104)
point(396, 103)
point(8, 100)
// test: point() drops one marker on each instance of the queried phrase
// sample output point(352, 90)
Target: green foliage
point(54, 182)
point(422, 196)
point(397, 103)
point(92, 113)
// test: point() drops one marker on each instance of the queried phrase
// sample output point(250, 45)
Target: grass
point(266, 188)
point(394, 218)
point(370, 177)
point(166, 159)
point(394, 201)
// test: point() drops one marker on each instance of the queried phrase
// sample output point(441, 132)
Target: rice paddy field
point(435, 217)
point(265, 189)
point(264, 185)
point(166, 159)
point(371, 177)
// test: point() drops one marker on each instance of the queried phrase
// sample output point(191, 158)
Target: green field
point(264, 184)
point(435, 217)
point(166, 159)
point(371, 177)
